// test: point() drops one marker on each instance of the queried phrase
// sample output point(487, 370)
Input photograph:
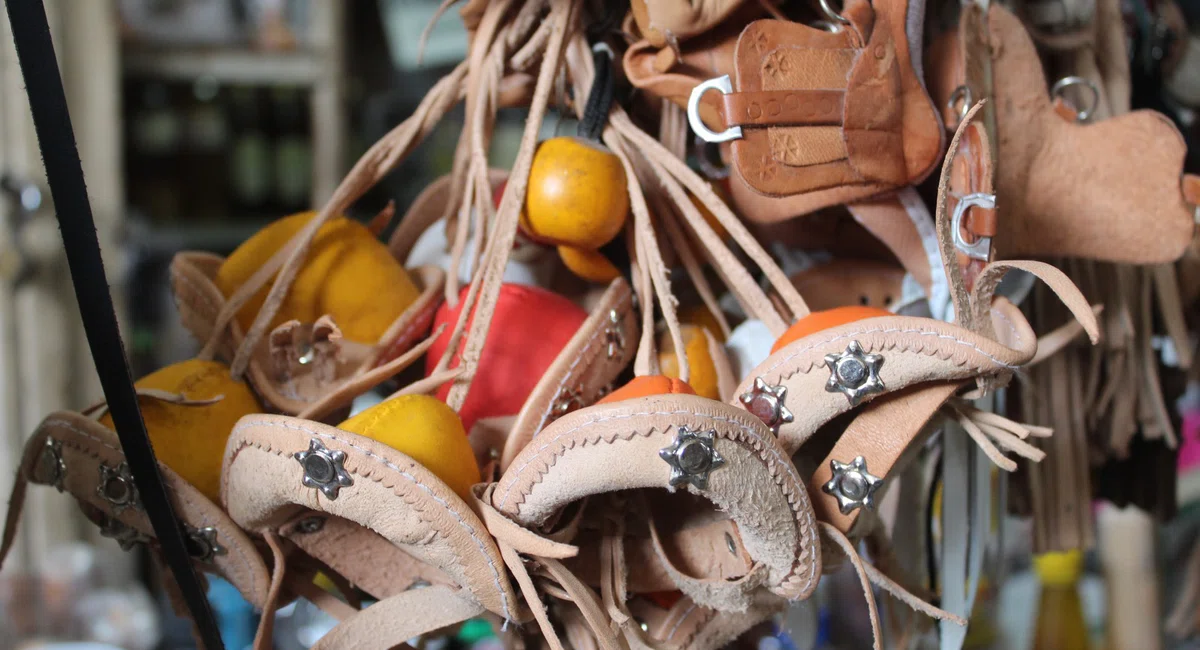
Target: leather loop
point(521, 540)
point(784, 108)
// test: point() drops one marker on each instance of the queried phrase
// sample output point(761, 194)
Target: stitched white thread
point(887, 330)
point(588, 347)
point(71, 427)
point(773, 450)
point(675, 627)
point(412, 479)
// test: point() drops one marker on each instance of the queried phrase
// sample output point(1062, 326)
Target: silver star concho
point(52, 467)
point(202, 543)
point(117, 488)
point(854, 373)
point(766, 402)
point(852, 485)
point(692, 456)
point(323, 469)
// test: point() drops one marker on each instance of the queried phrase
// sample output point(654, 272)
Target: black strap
point(600, 95)
point(51, 120)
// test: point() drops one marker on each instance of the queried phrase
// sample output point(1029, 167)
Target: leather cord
point(64, 172)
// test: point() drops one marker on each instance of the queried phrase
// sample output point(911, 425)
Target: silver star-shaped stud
point(614, 338)
point(854, 373)
point(323, 469)
point(692, 456)
point(116, 487)
point(52, 468)
point(852, 485)
point(766, 402)
point(569, 399)
point(126, 537)
point(202, 543)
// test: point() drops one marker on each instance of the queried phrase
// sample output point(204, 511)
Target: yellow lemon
point(426, 430)
point(348, 274)
point(588, 264)
point(577, 194)
point(191, 439)
point(703, 370)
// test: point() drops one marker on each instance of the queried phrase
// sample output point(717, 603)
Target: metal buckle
point(981, 247)
point(725, 86)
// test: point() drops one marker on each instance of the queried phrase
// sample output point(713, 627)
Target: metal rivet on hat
point(692, 456)
point(310, 525)
point(52, 467)
point(614, 338)
point(854, 373)
point(323, 469)
point(569, 399)
point(852, 485)
point(116, 487)
point(766, 402)
point(202, 543)
point(126, 536)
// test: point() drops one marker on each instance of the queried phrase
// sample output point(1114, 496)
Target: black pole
point(64, 172)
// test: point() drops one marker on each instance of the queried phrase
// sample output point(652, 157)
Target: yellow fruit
point(577, 194)
point(703, 370)
point(426, 430)
point(700, 316)
point(588, 264)
point(191, 439)
point(348, 274)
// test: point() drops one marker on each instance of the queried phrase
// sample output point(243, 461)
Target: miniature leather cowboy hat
point(821, 117)
point(352, 308)
point(903, 369)
point(381, 519)
point(1111, 190)
point(189, 409)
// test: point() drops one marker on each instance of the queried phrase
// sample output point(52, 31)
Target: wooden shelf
point(251, 67)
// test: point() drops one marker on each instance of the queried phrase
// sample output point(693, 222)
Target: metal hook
point(960, 102)
point(725, 86)
point(1059, 91)
point(832, 15)
point(981, 247)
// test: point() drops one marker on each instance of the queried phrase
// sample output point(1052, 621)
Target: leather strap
point(64, 173)
point(784, 108)
point(403, 616)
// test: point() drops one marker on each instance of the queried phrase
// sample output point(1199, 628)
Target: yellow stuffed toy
point(426, 430)
point(190, 438)
point(348, 274)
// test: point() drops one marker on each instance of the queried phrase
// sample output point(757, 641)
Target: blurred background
point(198, 122)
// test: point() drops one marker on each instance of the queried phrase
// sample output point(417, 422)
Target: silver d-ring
point(725, 86)
point(831, 14)
point(981, 247)
point(960, 101)
point(1061, 86)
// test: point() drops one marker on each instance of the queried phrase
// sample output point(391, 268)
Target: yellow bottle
point(1060, 623)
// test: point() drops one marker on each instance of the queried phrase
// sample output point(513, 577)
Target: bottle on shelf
point(1060, 622)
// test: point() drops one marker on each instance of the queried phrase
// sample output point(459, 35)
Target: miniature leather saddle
point(837, 361)
point(825, 118)
point(300, 363)
point(81, 455)
point(1112, 190)
point(377, 519)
